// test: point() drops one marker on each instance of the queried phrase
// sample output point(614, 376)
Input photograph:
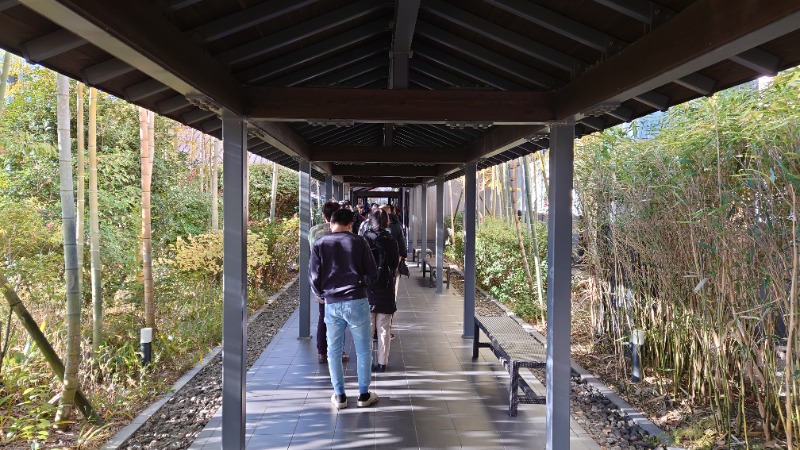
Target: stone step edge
point(634, 414)
point(126, 432)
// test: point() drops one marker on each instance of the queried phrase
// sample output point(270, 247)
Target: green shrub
point(499, 266)
point(271, 254)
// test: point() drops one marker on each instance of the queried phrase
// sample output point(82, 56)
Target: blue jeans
point(353, 314)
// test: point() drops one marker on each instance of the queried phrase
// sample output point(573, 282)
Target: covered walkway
point(432, 396)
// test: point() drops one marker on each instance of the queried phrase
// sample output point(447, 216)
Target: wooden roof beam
point(644, 11)
point(389, 154)
point(115, 27)
point(701, 35)
point(383, 181)
point(457, 107)
point(385, 170)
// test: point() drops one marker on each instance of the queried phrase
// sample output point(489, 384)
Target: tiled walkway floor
point(433, 395)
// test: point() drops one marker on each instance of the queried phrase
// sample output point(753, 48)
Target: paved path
point(433, 395)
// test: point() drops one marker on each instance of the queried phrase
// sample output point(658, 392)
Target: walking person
point(340, 270)
point(398, 231)
point(316, 232)
point(382, 299)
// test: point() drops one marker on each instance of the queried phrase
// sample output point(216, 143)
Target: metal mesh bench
point(417, 253)
point(515, 348)
point(429, 267)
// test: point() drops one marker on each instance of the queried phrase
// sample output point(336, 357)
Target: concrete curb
point(125, 433)
point(634, 414)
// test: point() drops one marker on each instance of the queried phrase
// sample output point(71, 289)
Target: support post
point(305, 251)
point(470, 187)
point(234, 280)
point(412, 220)
point(559, 224)
point(328, 187)
point(423, 222)
point(439, 233)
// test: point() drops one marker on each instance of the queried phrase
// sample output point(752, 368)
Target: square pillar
point(328, 187)
point(470, 208)
point(559, 306)
point(304, 174)
point(414, 218)
point(234, 280)
point(423, 221)
point(439, 232)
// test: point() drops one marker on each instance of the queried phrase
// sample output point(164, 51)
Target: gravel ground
point(608, 426)
point(176, 424)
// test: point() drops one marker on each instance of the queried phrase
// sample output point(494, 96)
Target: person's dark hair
point(342, 216)
point(328, 208)
point(378, 219)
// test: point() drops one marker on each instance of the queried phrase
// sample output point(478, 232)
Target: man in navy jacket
point(340, 270)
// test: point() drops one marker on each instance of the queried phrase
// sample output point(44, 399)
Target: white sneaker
point(340, 401)
point(370, 400)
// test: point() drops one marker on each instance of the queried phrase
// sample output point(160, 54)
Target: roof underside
point(399, 92)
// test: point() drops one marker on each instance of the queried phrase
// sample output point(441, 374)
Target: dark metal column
point(305, 251)
point(413, 227)
point(470, 186)
point(559, 232)
point(423, 221)
point(328, 187)
point(234, 280)
point(439, 232)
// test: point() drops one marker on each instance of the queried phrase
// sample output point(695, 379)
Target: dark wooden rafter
point(651, 14)
point(373, 53)
point(410, 106)
point(387, 170)
point(312, 52)
point(383, 181)
point(701, 35)
point(51, 44)
point(405, 21)
point(300, 31)
point(465, 69)
point(480, 53)
point(503, 36)
point(182, 66)
point(247, 18)
point(389, 154)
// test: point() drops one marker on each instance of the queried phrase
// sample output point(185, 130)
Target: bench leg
point(475, 342)
point(448, 278)
point(513, 401)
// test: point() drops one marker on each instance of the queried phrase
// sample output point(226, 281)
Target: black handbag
point(402, 269)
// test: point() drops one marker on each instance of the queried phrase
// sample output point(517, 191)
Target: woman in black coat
point(381, 293)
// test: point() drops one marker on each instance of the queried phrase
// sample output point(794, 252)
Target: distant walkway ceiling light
point(465, 124)
point(338, 123)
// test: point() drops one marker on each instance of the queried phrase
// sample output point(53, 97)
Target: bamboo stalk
point(70, 377)
point(15, 303)
point(94, 230)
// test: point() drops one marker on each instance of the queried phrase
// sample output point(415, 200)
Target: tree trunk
point(494, 192)
point(202, 166)
point(81, 179)
point(274, 194)
point(533, 218)
point(215, 187)
point(94, 229)
point(544, 175)
point(44, 345)
point(512, 176)
point(147, 255)
point(4, 80)
point(72, 359)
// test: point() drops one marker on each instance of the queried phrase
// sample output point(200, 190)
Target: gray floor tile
point(433, 396)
